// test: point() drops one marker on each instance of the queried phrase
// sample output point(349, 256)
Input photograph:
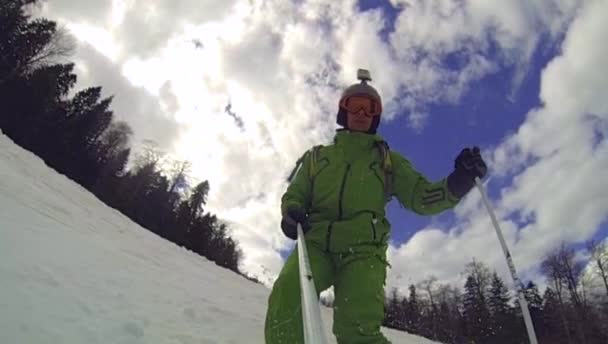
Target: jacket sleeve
point(416, 193)
point(299, 190)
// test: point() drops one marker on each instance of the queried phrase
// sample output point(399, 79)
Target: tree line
point(573, 309)
point(78, 136)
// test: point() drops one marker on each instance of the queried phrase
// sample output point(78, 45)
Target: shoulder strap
point(387, 167)
point(314, 156)
point(295, 169)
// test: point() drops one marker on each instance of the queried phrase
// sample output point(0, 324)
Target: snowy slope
point(73, 270)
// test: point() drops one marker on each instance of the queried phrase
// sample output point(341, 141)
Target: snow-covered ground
point(73, 270)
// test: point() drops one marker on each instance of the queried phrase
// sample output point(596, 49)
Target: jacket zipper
point(340, 210)
point(328, 236)
point(374, 221)
point(340, 205)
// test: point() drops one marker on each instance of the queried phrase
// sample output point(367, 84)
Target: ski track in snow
point(73, 270)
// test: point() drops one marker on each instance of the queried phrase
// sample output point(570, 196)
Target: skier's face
point(359, 113)
point(358, 121)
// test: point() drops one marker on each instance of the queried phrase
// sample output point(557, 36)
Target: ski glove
point(467, 166)
point(289, 223)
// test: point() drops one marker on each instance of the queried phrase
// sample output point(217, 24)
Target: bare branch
point(599, 256)
point(60, 47)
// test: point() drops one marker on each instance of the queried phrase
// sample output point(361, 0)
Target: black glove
point(291, 218)
point(467, 166)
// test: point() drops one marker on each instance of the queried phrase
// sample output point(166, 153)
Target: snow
point(73, 270)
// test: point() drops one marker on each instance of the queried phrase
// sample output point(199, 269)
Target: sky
point(242, 88)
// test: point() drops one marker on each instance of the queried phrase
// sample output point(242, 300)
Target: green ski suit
point(345, 198)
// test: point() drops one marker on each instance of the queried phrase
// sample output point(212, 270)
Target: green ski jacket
point(344, 193)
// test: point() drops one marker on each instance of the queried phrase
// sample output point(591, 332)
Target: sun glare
point(100, 39)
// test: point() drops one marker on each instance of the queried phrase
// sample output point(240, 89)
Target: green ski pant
point(358, 280)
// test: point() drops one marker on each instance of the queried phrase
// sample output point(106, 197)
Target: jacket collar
point(354, 143)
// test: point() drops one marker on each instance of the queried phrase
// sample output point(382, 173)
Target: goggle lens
point(355, 104)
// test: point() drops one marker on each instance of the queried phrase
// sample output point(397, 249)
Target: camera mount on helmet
point(364, 75)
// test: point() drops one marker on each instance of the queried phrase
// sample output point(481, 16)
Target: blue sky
point(485, 115)
point(518, 78)
point(491, 109)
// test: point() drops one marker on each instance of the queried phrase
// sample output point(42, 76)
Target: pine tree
point(36, 109)
point(552, 330)
point(504, 325)
point(535, 304)
point(27, 44)
point(449, 316)
point(412, 312)
point(476, 312)
point(429, 326)
point(391, 309)
point(31, 88)
point(88, 117)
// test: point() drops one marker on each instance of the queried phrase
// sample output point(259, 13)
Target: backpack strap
point(387, 167)
point(385, 156)
point(314, 156)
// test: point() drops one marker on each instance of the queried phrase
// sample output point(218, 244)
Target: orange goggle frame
point(372, 107)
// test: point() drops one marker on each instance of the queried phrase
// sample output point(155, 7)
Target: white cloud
point(559, 192)
point(427, 32)
point(96, 36)
point(174, 68)
point(140, 109)
point(140, 27)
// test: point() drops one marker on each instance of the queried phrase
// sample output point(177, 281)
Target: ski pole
point(311, 312)
point(520, 293)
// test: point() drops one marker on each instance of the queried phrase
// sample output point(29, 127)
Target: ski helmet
point(361, 89)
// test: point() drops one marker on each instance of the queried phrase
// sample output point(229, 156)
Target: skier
point(338, 194)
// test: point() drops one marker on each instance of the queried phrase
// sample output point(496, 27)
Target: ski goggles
point(353, 104)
